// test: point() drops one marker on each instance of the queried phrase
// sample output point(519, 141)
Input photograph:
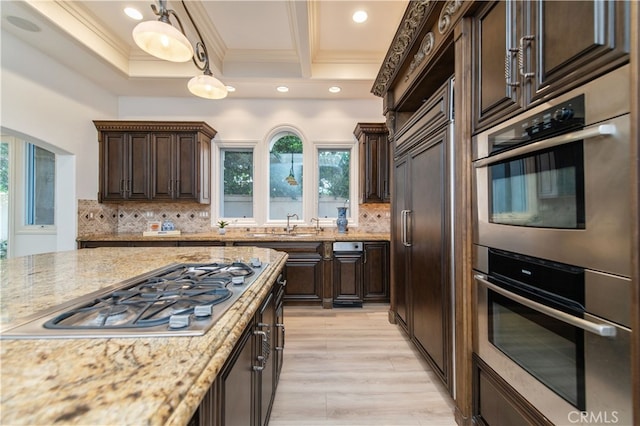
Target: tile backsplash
point(106, 218)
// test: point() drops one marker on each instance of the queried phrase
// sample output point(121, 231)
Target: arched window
point(285, 176)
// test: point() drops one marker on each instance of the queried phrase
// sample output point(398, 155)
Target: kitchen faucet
point(317, 220)
point(290, 228)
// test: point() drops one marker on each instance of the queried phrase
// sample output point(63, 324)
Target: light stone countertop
point(237, 234)
point(155, 380)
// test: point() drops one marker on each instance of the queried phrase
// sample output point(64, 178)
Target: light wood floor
point(350, 366)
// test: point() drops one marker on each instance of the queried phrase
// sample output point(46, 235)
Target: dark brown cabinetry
point(124, 166)
point(496, 403)
point(526, 52)
point(361, 276)
point(314, 275)
point(304, 270)
point(373, 148)
point(154, 161)
point(421, 238)
point(244, 390)
point(347, 278)
point(265, 331)
point(375, 282)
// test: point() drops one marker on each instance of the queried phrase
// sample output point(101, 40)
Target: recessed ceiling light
point(231, 89)
point(282, 89)
point(360, 16)
point(133, 13)
point(334, 89)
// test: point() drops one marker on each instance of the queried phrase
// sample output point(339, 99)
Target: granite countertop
point(158, 381)
point(233, 235)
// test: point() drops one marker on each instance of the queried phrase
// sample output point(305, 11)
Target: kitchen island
point(151, 380)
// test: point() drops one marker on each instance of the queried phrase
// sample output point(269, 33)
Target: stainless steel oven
point(558, 334)
point(554, 182)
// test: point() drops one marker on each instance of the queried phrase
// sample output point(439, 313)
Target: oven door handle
point(591, 132)
point(599, 329)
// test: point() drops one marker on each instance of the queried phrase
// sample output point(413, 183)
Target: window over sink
point(261, 182)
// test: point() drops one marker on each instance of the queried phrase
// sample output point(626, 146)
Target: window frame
point(353, 210)
point(221, 171)
point(218, 192)
point(310, 161)
point(19, 197)
point(273, 137)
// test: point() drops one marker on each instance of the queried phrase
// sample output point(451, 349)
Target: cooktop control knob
point(179, 321)
point(563, 114)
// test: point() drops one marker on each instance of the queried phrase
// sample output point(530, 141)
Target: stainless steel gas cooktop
point(179, 300)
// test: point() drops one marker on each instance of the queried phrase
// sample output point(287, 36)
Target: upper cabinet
point(154, 161)
point(373, 148)
point(528, 52)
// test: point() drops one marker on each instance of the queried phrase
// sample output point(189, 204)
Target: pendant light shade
point(207, 86)
point(163, 41)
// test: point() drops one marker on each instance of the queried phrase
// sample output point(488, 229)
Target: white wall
point(241, 119)
point(53, 106)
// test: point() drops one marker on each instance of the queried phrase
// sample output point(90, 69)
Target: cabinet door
point(400, 277)
point(429, 253)
point(278, 291)
point(124, 168)
point(304, 278)
point(233, 402)
point(496, 82)
point(304, 270)
point(138, 171)
point(376, 272)
point(347, 278)
point(570, 42)
point(495, 402)
point(163, 166)
point(265, 362)
point(186, 159)
point(374, 162)
point(113, 151)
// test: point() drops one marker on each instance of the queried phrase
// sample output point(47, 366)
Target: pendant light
point(291, 179)
point(163, 40)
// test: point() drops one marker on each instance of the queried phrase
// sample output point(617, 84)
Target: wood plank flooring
point(350, 366)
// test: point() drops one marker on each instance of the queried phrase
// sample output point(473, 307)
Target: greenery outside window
point(237, 182)
point(285, 176)
point(334, 171)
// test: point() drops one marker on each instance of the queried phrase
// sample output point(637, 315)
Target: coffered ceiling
point(254, 46)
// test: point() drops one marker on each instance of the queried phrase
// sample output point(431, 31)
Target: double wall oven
point(553, 253)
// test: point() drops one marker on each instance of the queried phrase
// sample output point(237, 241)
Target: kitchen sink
point(280, 235)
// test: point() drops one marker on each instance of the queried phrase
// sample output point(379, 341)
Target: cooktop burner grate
point(184, 299)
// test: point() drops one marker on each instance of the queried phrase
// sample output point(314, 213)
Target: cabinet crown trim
point(156, 126)
point(412, 21)
point(370, 128)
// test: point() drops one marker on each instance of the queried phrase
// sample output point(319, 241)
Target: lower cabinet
point(304, 270)
point(361, 276)
point(314, 274)
point(347, 278)
point(244, 390)
point(495, 403)
point(375, 276)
